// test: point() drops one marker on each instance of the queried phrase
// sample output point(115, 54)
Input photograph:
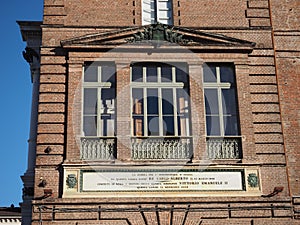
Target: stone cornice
point(30, 29)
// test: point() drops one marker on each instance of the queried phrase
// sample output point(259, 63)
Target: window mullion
point(99, 97)
point(160, 100)
point(144, 80)
point(156, 13)
point(218, 75)
point(99, 131)
point(160, 112)
point(187, 121)
point(158, 75)
point(175, 111)
point(99, 74)
point(220, 97)
point(131, 110)
point(144, 74)
point(82, 103)
point(173, 74)
point(145, 112)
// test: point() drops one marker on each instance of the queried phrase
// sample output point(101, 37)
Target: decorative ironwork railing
point(161, 148)
point(98, 148)
point(224, 147)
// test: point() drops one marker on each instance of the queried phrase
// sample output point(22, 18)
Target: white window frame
point(156, 12)
point(219, 86)
point(99, 86)
point(159, 85)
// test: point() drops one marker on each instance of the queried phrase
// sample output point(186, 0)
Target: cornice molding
point(30, 29)
point(152, 34)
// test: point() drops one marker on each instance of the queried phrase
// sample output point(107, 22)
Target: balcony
point(98, 148)
point(160, 148)
point(147, 148)
point(224, 147)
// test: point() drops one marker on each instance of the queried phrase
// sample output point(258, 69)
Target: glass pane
point(183, 126)
point(163, 5)
point(107, 112)
point(137, 73)
point(90, 125)
point(181, 130)
point(183, 112)
point(153, 16)
point(138, 125)
point(153, 126)
point(209, 74)
point(229, 102)
point(110, 130)
point(227, 74)
point(168, 126)
point(107, 125)
point(107, 100)
point(211, 101)
point(213, 126)
point(181, 74)
point(137, 101)
point(166, 73)
point(91, 74)
point(231, 125)
point(152, 101)
point(152, 4)
point(107, 73)
point(167, 102)
point(182, 101)
point(90, 101)
point(151, 74)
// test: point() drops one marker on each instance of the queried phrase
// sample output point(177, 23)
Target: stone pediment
point(156, 33)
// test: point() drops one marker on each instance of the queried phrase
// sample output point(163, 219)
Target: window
point(98, 114)
point(99, 100)
point(222, 124)
point(160, 100)
point(160, 109)
point(154, 11)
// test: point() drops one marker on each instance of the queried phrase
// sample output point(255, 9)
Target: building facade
point(163, 112)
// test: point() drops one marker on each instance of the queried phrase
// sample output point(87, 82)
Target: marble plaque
point(161, 180)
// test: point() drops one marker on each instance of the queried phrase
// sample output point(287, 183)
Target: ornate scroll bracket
point(159, 32)
point(29, 53)
point(28, 191)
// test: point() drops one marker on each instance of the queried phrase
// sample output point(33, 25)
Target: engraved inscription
point(162, 181)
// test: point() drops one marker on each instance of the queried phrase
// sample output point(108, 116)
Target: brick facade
point(261, 39)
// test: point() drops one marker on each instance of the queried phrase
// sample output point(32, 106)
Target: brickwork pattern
point(285, 22)
point(269, 118)
point(177, 214)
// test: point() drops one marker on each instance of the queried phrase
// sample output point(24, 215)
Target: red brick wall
point(285, 21)
point(270, 118)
